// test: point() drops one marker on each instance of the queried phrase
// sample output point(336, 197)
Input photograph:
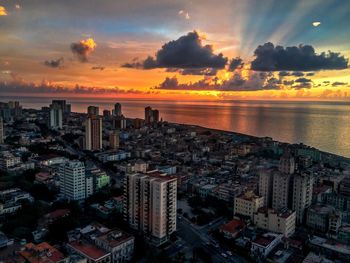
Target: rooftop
point(233, 226)
point(41, 253)
point(114, 237)
point(88, 250)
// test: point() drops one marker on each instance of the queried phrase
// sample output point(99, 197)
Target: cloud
point(97, 68)
point(55, 63)
point(187, 52)
point(195, 71)
point(316, 23)
point(303, 80)
point(83, 49)
point(296, 58)
point(295, 74)
point(235, 63)
point(18, 87)
point(255, 81)
point(338, 83)
point(3, 11)
point(184, 14)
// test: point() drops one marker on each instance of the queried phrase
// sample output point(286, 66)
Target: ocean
point(324, 125)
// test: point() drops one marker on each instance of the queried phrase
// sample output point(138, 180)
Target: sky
point(176, 49)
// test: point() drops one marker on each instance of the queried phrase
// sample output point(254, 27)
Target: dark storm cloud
point(54, 63)
point(296, 58)
point(235, 63)
point(187, 52)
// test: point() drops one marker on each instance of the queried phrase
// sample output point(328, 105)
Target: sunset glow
point(119, 49)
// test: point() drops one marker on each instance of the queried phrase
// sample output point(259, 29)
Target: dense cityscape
point(102, 187)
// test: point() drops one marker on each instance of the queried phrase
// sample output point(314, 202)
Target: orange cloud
point(3, 11)
point(83, 48)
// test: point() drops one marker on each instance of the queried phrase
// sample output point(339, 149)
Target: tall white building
point(56, 119)
point(1, 131)
point(281, 190)
point(150, 205)
point(287, 164)
point(265, 186)
point(72, 180)
point(302, 194)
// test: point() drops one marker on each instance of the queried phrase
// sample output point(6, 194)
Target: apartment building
point(150, 205)
point(247, 204)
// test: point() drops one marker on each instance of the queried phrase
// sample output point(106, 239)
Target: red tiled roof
point(233, 226)
point(88, 250)
point(41, 253)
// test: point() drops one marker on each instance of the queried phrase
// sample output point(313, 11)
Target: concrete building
point(1, 131)
point(93, 111)
point(302, 195)
point(287, 164)
point(151, 115)
point(118, 243)
point(344, 186)
point(117, 110)
point(247, 204)
point(66, 108)
point(93, 133)
point(266, 186)
point(282, 221)
point(264, 244)
point(114, 140)
point(150, 205)
point(323, 218)
point(8, 160)
point(42, 253)
point(56, 116)
point(281, 190)
point(72, 180)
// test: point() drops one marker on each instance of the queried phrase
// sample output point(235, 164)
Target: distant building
point(247, 204)
point(93, 133)
point(266, 186)
point(1, 130)
point(150, 205)
point(93, 111)
point(114, 140)
point(281, 191)
point(151, 115)
point(344, 187)
point(287, 164)
point(56, 116)
point(282, 221)
point(72, 180)
point(117, 110)
point(66, 108)
point(119, 122)
point(302, 195)
point(323, 218)
point(106, 113)
point(113, 155)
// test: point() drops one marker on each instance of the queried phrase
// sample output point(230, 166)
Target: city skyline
point(172, 50)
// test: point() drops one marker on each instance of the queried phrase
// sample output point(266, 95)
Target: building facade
point(150, 205)
point(302, 195)
point(72, 180)
point(93, 133)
